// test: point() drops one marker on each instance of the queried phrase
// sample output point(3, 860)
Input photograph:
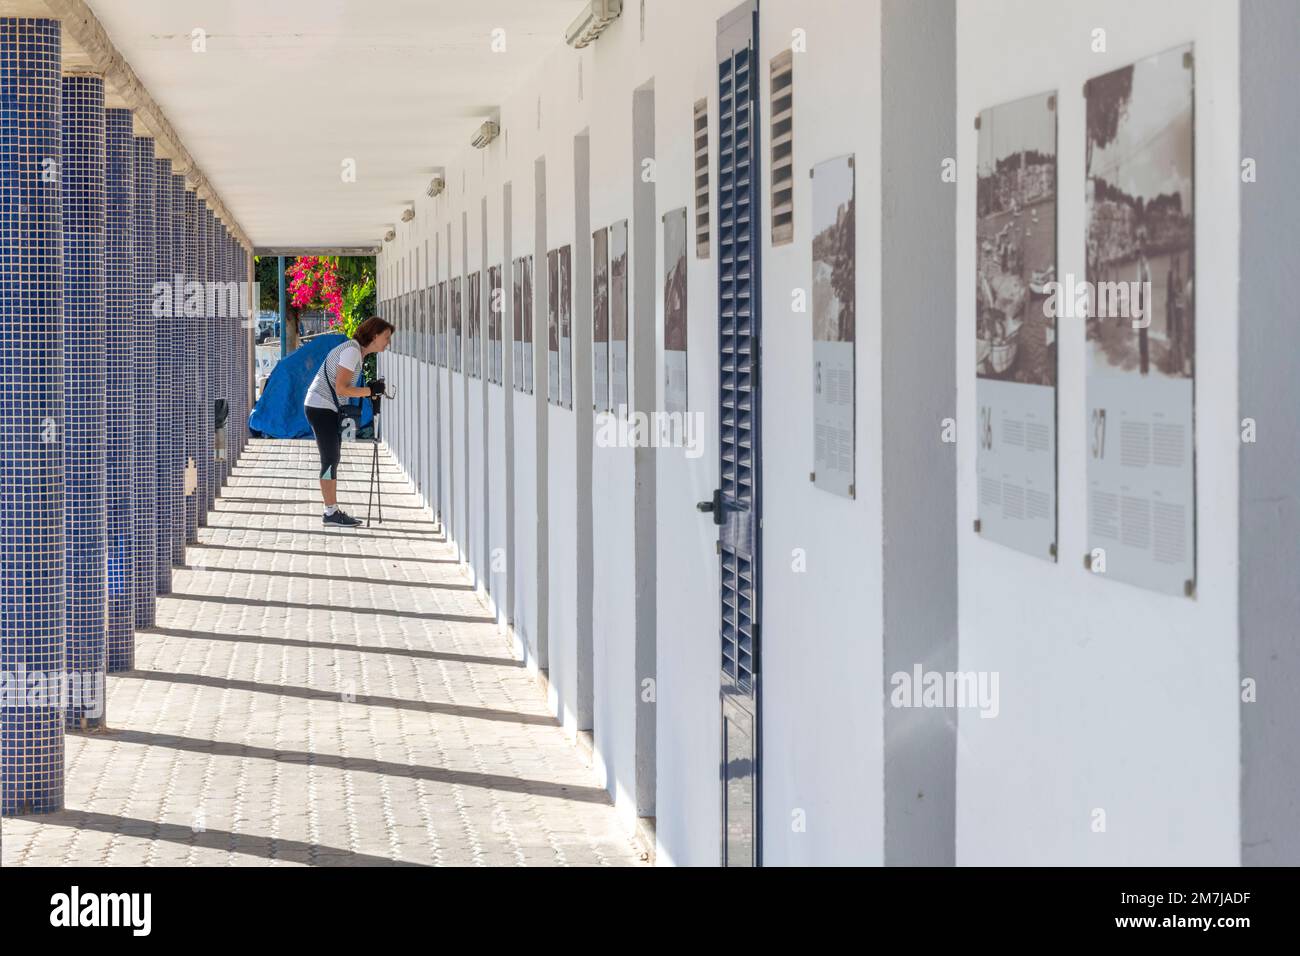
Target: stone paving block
point(329, 698)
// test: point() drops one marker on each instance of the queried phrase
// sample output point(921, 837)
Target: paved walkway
point(326, 697)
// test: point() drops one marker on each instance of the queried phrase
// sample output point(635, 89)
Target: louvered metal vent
point(782, 145)
point(702, 179)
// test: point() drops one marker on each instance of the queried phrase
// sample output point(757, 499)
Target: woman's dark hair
point(370, 329)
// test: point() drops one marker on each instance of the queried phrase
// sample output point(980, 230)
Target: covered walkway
point(750, 497)
point(322, 697)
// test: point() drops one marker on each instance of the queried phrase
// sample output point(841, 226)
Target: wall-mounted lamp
point(592, 22)
point(486, 133)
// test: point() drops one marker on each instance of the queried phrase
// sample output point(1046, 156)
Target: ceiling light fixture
point(591, 23)
point(486, 133)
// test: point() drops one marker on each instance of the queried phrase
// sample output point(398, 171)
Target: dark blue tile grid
point(32, 612)
point(245, 346)
point(237, 358)
point(180, 361)
point(219, 357)
point(84, 460)
point(162, 377)
point(231, 324)
point(232, 345)
point(145, 368)
point(189, 393)
point(222, 353)
point(203, 410)
point(241, 353)
point(212, 368)
point(219, 351)
point(119, 403)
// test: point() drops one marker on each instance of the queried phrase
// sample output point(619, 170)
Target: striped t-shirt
point(346, 355)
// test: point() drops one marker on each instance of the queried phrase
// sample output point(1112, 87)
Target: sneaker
point(340, 518)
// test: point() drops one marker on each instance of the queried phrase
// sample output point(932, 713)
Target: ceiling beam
point(316, 251)
point(100, 55)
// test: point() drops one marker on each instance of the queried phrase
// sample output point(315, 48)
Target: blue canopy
point(278, 413)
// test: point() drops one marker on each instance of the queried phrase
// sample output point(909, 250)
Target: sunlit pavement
point(323, 697)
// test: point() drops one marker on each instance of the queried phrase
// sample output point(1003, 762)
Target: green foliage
point(268, 282)
point(356, 279)
point(355, 297)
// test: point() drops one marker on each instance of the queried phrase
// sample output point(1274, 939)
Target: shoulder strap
point(325, 370)
point(329, 380)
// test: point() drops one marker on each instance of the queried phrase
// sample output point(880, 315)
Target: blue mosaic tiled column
point(214, 365)
point(163, 376)
point(119, 400)
point(242, 337)
point(144, 422)
point(203, 410)
point(180, 361)
point(33, 619)
point(228, 358)
point(217, 342)
point(236, 326)
point(216, 373)
point(242, 277)
point(220, 468)
point(189, 366)
point(232, 361)
point(85, 541)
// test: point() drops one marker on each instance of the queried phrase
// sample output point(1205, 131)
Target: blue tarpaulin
point(278, 413)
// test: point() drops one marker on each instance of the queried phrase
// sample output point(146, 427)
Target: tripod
point(376, 495)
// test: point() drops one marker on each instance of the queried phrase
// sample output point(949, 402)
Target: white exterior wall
point(1112, 697)
point(613, 71)
point(688, 794)
point(821, 751)
point(518, 121)
point(498, 558)
point(472, 470)
point(563, 117)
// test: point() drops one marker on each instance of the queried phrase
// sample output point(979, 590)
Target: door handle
point(715, 506)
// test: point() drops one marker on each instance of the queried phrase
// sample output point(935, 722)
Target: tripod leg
point(374, 467)
point(379, 485)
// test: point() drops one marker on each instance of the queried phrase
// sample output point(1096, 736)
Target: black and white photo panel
point(1141, 330)
point(834, 305)
point(1016, 324)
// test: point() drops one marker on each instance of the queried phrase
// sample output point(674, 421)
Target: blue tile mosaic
point(161, 305)
point(239, 416)
point(190, 324)
point(144, 364)
point(85, 542)
point(239, 351)
point(179, 362)
point(202, 353)
point(231, 324)
point(209, 466)
point(119, 399)
point(33, 619)
point(220, 352)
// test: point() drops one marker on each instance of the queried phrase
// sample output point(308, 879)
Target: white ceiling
point(289, 89)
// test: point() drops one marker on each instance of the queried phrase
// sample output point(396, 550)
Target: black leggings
point(325, 423)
